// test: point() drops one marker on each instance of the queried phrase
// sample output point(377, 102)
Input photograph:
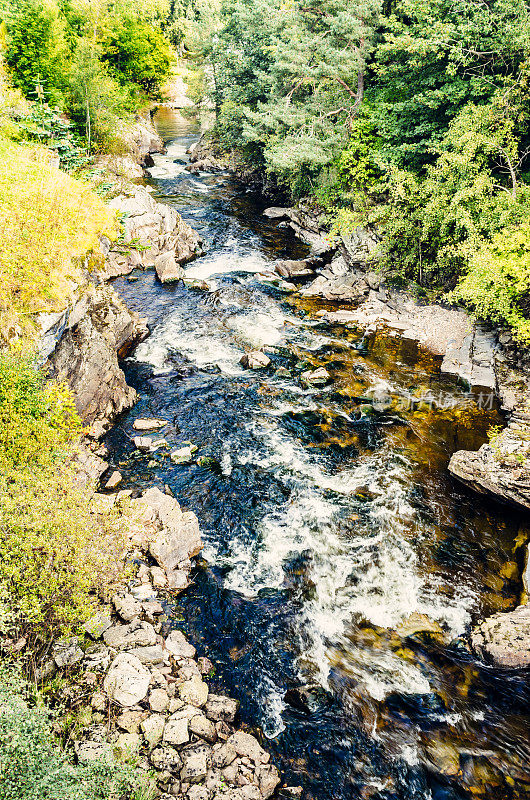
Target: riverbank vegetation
point(93, 63)
point(408, 117)
point(33, 764)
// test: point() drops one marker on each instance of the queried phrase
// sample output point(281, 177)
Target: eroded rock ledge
point(82, 345)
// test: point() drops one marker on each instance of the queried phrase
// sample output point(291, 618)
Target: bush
point(33, 764)
point(48, 222)
point(54, 547)
point(497, 283)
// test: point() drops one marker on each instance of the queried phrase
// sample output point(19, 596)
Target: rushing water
point(342, 565)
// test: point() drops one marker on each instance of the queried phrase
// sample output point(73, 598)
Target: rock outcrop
point(82, 345)
point(504, 639)
point(154, 235)
point(502, 467)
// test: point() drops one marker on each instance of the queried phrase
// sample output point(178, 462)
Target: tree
point(137, 52)
point(36, 51)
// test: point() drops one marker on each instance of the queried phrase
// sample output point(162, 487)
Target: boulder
point(114, 480)
point(294, 269)
point(86, 356)
point(178, 645)
point(93, 751)
point(194, 691)
point(247, 746)
point(203, 727)
point(67, 653)
point(269, 778)
point(195, 763)
point(153, 730)
point(152, 654)
point(127, 606)
point(176, 731)
point(220, 708)
point(255, 359)
point(98, 624)
point(135, 634)
point(130, 720)
point(127, 681)
point(166, 759)
point(504, 639)
point(167, 268)
point(143, 424)
point(158, 700)
point(275, 212)
point(127, 745)
point(317, 377)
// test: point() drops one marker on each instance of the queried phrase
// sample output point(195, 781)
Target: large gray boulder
point(135, 634)
point(127, 681)
point(155, 235)
point(504, 639)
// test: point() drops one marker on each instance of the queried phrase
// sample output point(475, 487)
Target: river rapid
point(342, 566)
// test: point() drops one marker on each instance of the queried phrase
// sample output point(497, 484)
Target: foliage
point(49, 127)
point(48, 222)
point(36, 51)
point(94, 60)
point(33, 764)
point(137, 52)
point(497, 280)
point(54, 548)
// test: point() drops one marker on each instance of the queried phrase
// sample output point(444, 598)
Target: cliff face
point(94, 332)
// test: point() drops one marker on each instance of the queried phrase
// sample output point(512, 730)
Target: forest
point(405, 116)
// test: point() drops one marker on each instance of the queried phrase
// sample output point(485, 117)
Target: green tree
point(36, 49)
point(137, 52)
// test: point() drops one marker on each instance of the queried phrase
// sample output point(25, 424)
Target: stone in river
point(504, 639)
point(143, 443)
point(114, 480)
point(167, 268)
point(183, 455)
point(317, 377)
point(275, 212)
point(255, 359)
point(149, 424)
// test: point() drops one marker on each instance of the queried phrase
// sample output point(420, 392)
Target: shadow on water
point(342, 565)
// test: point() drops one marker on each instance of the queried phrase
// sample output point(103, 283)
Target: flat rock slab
point(135, 634)
point(504, 639)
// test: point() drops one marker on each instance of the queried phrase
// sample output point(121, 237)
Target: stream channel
point(342, 565)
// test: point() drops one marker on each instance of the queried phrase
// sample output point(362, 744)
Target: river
point(342, 566)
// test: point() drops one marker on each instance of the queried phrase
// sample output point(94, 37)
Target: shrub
point(497, 283)
point(48, 222)
point(54, 547)
point(33, 764)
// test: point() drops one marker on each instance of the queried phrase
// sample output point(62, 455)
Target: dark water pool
point(342, 566)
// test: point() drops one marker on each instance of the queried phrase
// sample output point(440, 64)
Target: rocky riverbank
point(145, 692)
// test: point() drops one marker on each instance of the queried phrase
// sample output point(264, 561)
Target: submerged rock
point(504, 639)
